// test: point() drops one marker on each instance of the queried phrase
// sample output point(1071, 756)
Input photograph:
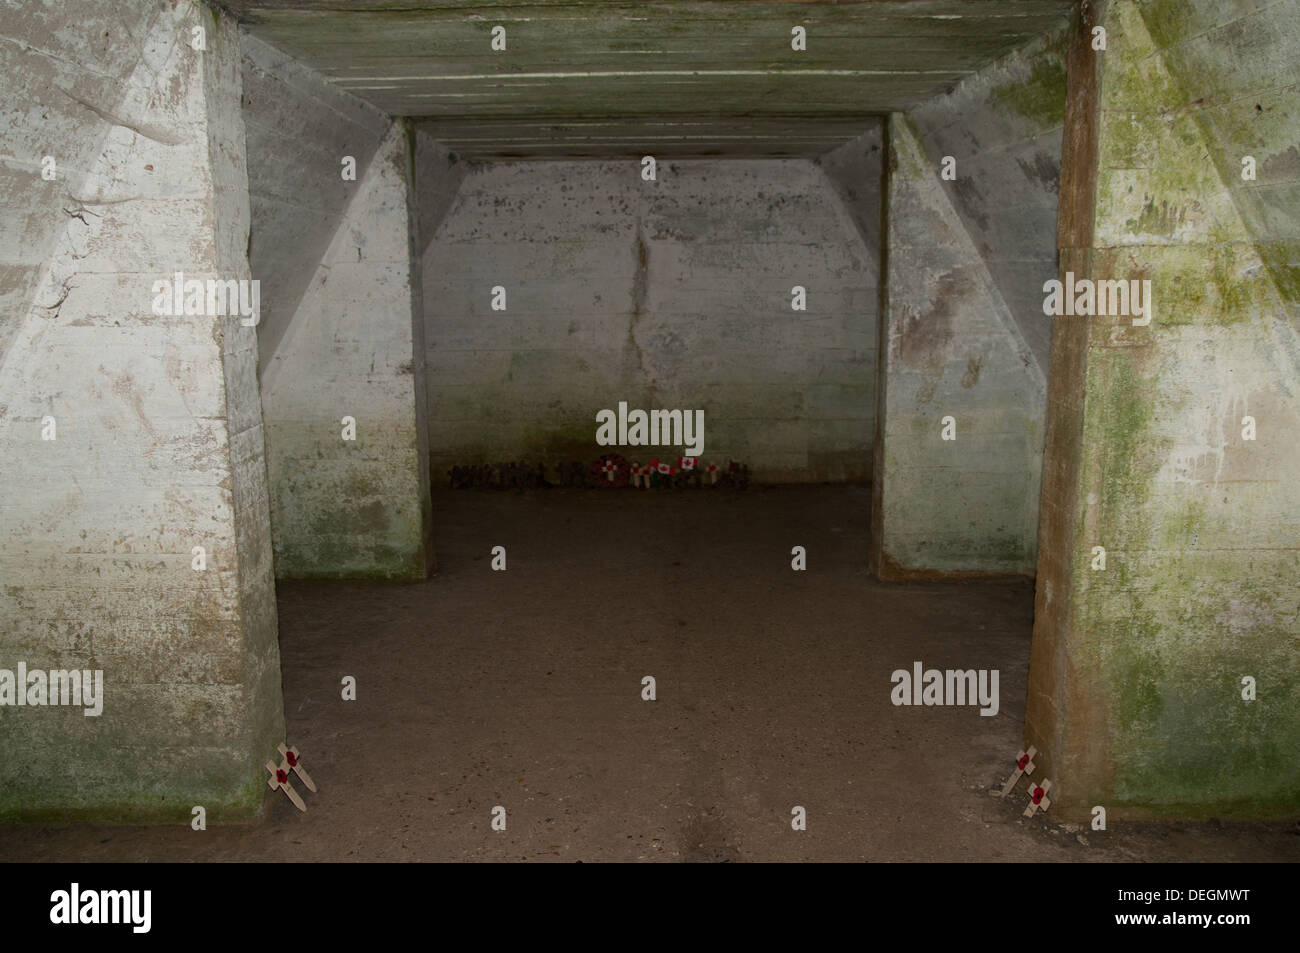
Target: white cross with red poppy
point(280, 779)
point(713, 472)
point(609, 468)
point(1038, 799)
point(292, 759)
point(1024, 765)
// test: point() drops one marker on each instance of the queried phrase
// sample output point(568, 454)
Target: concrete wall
point(959, 437)
point(58, 81)
point(299, 127)
point(1003, 128)
point(667, 294)
point(968, 249)
point(1135, 695)
point(855, 171)
point(355, 503)
point(159, 440)
point(438, 177)
point(338, 258)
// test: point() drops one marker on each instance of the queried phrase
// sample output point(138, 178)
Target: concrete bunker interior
point(948, 457)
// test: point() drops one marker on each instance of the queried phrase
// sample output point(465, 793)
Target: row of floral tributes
point(611, 471)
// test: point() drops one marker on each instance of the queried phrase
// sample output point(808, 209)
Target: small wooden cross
point(1038, 799)
point(280, 779)
point(294, 760)
point(1024, 765)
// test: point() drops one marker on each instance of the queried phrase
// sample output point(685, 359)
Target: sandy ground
point(523, 689)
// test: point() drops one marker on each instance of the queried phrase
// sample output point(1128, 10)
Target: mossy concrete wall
point(158, 443)
point(351, 499)
point(951, 356)
point(673, 293)
point(1136, 678)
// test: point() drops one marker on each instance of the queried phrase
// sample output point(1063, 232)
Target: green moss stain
point(1282, 259)
point(1182, 527)
point(1176, 619)
point(1136, 675)
point(1220, 283)
point(355, 512)
point(1125, 402)
point(1224, 109)
point(1168, 21)
point(1134, 79)
point(1040, 97)
point(1238, 298)
point(1175, 637)
point(169, 802)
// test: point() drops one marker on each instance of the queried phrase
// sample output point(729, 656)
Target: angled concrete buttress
point(1168, 682)
point(958, 433)
point(157, 446)
point(344, 394)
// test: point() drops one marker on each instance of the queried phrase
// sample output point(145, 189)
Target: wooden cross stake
point(294, 760)
point(1024, 765)
point(1038, 799)
point(280, 779)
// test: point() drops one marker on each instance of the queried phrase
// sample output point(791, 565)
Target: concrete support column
point(134, 526)
point(955, 487)
point(1165, 676)
point(345, 397)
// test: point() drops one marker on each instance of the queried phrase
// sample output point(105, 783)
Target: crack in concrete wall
point(666, 296)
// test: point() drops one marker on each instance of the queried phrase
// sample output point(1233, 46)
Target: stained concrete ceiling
point(668, 77)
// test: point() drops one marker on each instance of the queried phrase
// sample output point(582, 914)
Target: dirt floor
point(523, 689)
